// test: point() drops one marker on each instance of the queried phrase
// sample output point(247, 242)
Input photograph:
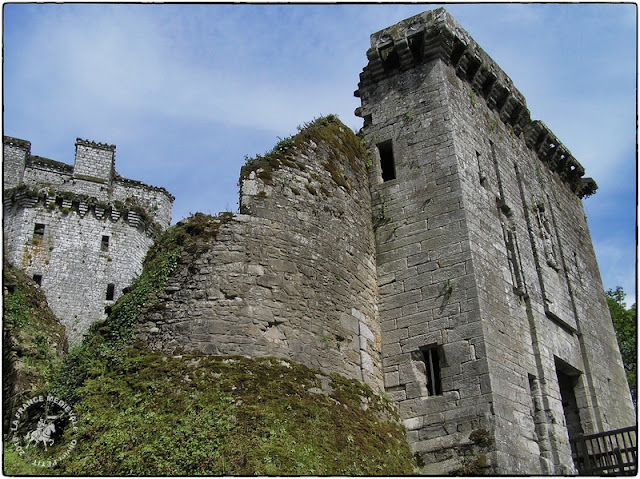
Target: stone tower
point(498, 345)
point(80, 231)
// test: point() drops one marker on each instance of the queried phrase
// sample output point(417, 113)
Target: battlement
point(436, 35)
point(82, 230)
point(92, 179)
point(94, 161)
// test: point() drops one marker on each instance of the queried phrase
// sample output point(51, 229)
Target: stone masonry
point(484, 262)
point(293, 275)
point(80, 231)
point(442, 257)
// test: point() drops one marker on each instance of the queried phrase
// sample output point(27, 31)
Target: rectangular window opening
point(104, 245)
point(38, 231)
point(111, 288)
point(38, 279)
point(432, 363)
point(387, 162)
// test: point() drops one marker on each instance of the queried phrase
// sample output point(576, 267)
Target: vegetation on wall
point(33, 341)
point(142, 412)
point(152, 414)
point(327, 129)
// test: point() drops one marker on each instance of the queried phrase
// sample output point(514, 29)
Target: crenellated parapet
point(92, 180)
point(435, 35)
point(81, 230)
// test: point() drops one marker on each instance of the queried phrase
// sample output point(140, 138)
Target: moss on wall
point(142, 412)
point(33, 341)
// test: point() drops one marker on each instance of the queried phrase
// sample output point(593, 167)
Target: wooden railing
point(606, 453)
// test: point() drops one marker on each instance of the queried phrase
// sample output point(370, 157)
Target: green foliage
point(16, 310)
point(106, 338)
point(327, 129)
point(447, 289)
point(625, 325)
point(33, 340)
point(381, 218)
point(14, 465)
point(146, 413)
point(474, 98)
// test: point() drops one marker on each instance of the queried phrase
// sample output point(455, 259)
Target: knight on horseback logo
point(56, 421)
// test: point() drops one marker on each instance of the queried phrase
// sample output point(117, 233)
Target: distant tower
point(81, 232)
point(498, 345)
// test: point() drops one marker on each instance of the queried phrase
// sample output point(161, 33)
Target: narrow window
point(432, 363)
point(483, 176)
point(426, 364)
point(38, 279)
point(387, 163)
point(110, 291)
point(38, 231)
point(104, 245)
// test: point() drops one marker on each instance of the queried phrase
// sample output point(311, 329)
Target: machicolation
point(80, 231)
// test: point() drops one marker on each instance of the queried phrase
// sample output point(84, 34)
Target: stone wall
point(293, 275)
point(484, 256)
point(83, 236)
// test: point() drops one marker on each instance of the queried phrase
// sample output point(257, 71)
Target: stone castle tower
point(449, 266)
point(80, 231)
point(492, 310)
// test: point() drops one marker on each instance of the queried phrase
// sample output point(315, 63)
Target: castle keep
point(80, 231)
point(442, 257)
point(491, 306)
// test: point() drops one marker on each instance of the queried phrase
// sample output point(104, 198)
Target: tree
point(625, 325)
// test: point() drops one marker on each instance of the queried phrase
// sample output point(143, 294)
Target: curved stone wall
point(294, 274)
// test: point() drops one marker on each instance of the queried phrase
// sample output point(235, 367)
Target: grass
point(145, 413)
point(345, 145)
point(152, 414)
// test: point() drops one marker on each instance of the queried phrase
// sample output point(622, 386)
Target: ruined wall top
point(436, 35)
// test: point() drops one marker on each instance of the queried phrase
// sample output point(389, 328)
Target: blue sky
point(186, 91)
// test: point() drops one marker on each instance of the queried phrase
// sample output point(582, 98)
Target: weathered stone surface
point(481, 231)
point(97, 227)
point(294, 276)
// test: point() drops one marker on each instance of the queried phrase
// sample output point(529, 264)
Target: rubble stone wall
point(293, 275)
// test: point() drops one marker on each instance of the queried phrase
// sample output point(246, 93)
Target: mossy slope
point(142, 412)
point(33, 338)
point(152, 414)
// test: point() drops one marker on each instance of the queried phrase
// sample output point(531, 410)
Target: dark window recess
point(431, 360)
point(111, 288)
point(38, 231)
point(416, 45)
point(387, 162)
point(104, 245)
point(389, 57)
point(38, 279)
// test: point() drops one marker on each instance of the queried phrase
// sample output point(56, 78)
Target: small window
point(38, 231)
point(38, 279)
point(431, 358)
point(111, 288)
point(104, 245)
point(387, 162)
